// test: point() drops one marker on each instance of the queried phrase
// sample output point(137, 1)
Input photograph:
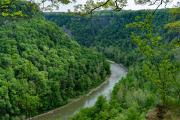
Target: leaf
point(5, 14)
point(18, 13)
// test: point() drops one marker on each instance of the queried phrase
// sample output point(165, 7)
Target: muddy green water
point(117, 72)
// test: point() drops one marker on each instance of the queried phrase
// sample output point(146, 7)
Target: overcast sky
point(131, 5)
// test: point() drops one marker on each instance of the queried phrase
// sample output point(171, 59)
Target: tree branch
point(161, 2)
point(116, 5)
point(103, 4)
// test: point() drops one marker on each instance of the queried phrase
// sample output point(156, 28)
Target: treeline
point(41, 68)
point(134, 98)
point(150, 90)
point(106, 31)
point(149, 46)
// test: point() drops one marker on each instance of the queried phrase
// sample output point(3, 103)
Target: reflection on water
point(117, 72)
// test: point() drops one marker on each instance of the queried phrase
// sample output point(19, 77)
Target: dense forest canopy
point(106, 31)
point(148, 44)
point(41, 67)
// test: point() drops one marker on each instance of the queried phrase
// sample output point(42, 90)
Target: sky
point(131, 5)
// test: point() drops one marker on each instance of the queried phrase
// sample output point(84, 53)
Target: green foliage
point(41, 68)
point(131, 98)
point(151, 81)
point(98, 112)
point(93, 5)
point(158, 65)
point(129, 101)
point(106, 31)
point(18, 9)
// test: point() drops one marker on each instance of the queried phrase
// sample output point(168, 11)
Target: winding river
point(117, 72)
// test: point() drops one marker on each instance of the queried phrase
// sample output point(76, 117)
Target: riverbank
point(71, 101)
point(89, 99)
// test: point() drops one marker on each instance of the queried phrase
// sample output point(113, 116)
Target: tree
point(17, 8)
point(158, 66)
point(40, 67)
point(90, 6)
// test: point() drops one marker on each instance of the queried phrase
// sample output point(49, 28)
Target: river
point(117, 72)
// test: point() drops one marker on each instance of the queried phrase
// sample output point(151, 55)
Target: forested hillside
point(41, 68)
point(149, 45)
point(106, 31)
